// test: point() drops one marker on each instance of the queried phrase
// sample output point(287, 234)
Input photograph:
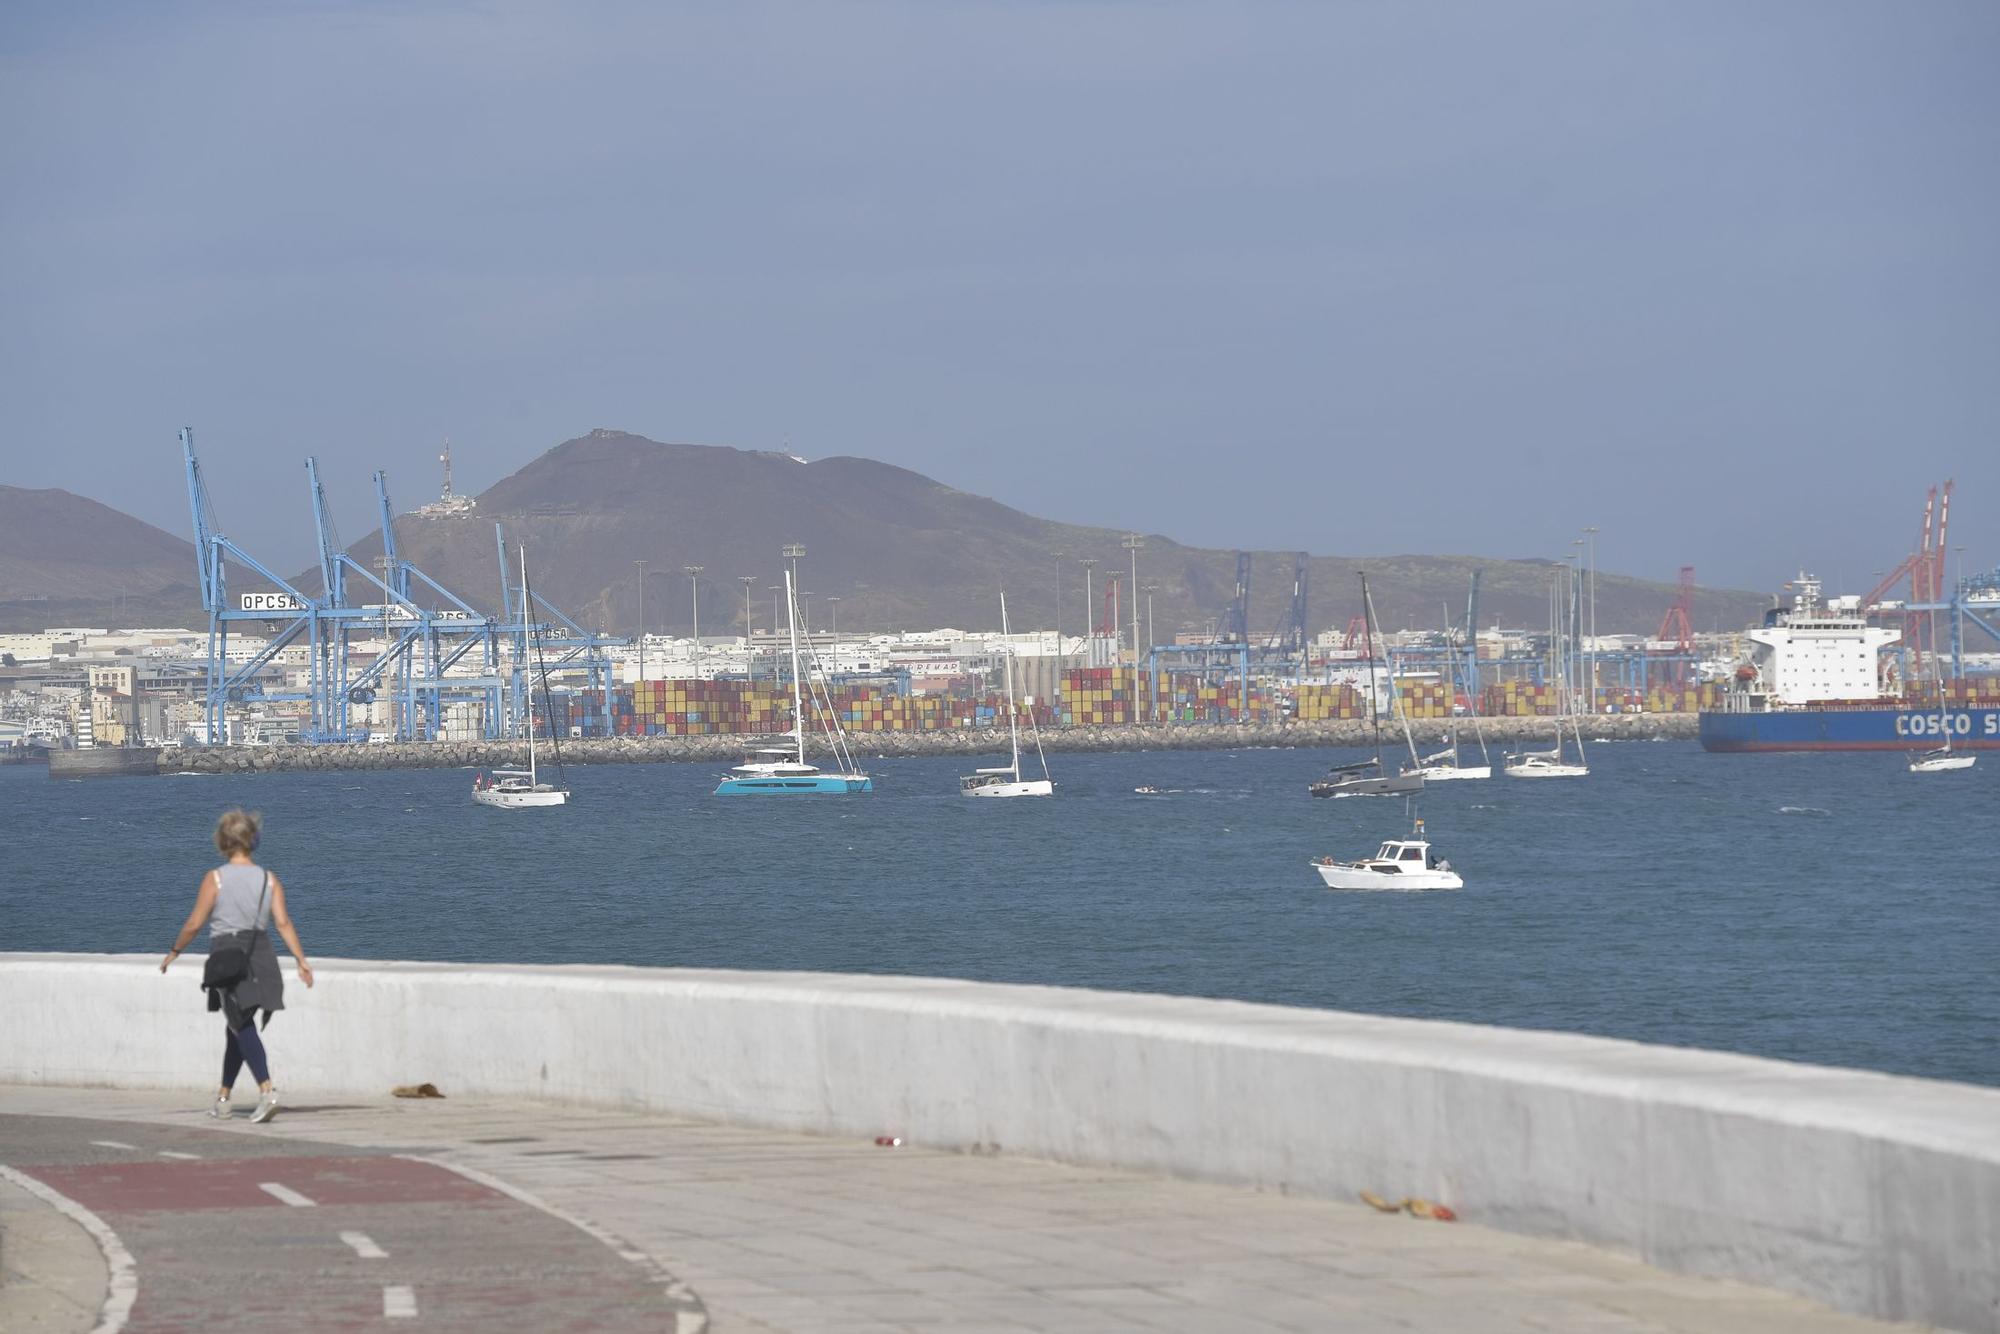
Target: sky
point(1719, 279)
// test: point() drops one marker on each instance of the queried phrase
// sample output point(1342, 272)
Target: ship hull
point(1850, 729)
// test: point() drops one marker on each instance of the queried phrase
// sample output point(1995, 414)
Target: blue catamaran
point(784, 771)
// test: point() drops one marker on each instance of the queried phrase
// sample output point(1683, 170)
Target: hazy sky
point(1720, 278)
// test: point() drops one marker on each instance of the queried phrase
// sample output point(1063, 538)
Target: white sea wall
point(1876, 1194)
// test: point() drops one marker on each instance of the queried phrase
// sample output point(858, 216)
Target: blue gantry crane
point(428, 633)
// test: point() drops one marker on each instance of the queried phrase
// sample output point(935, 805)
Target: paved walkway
point(770, 1232)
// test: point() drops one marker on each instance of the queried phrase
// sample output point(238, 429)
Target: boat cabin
point(773, 762)
point(980, 778)
point(1398, 855)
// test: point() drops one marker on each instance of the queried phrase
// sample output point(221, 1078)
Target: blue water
point(1826, 908)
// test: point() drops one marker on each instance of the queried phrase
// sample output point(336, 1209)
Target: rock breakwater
point(1500, 732)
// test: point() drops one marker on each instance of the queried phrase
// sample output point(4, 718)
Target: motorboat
point(1008, 782)
point(784, 771)
point(1399, 864)
point(521, 789)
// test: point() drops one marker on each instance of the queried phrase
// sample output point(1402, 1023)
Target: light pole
point(805, 613)
point(642, 617)
point(791, 551)
point(693, 572)
point(385, 565)
point(1060, 555)
point(1088, 631)
point(833, 610)
point(749, 646)
point(1132, 542)
point(1590, 535)
point(1150, 590)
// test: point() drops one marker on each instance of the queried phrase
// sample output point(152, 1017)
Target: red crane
point(1924, 568)
point(1677, 628)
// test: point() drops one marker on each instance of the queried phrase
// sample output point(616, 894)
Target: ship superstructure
point(1815, 653)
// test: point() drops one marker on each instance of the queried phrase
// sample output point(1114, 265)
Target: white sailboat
point(1551, 763)
point(522, 789)
point(1444, 765)
point(784, 771)
point(1943, 759)
point(1008, 782)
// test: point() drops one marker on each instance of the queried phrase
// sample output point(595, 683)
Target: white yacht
point(1943, 759)
point(1400, 863)
point(1007, 782)
point(520, 789)
point(1551, 763)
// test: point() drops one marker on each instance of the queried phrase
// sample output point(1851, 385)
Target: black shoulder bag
point(231, 964)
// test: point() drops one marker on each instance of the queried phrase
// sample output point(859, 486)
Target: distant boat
point(520, 789)
point(1368, 778)
point(784, 772)
point(1942, 760)
point(1550, 763)
point(1008, 782)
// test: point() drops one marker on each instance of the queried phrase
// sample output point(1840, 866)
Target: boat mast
point(1013, 723)
point(798, 705)
point(1395, 699)
point(525, 612)
point(1368, 643)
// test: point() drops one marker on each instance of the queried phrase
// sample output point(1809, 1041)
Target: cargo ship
point(1812, 681)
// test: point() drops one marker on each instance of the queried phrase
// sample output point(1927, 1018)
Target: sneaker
point(222, 1110)
point(267, 1107)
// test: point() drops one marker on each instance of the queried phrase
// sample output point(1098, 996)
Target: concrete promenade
point(742, 1231)
point(1053, 1120)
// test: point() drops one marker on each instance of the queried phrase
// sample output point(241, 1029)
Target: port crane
point(428, 633)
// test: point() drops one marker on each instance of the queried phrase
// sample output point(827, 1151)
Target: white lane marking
point(364, 1246)
point(115, 1144)
point(690, 1312)
point(184, 1157)
point(123, 1287)
point(285, 1193)
point(399, 1303)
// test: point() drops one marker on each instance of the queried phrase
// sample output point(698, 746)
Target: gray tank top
point(237, 890)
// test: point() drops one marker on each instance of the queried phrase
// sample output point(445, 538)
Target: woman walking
point(237, 901)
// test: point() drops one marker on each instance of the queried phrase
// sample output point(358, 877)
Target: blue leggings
point(244, 1045)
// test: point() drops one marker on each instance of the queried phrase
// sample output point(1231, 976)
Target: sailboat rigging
point(519, 789)
point(1008, 782)
point(1943, 759)
point(783, 771)
point(1367, 778)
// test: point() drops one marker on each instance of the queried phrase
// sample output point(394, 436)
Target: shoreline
point(1500, 733)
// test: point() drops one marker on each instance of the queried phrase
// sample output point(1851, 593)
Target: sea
point(1829, 908)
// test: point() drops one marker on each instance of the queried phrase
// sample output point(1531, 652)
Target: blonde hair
point(238, 831)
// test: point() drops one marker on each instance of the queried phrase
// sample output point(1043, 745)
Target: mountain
point(903, 551)
point(68, 560)
point(899, 550)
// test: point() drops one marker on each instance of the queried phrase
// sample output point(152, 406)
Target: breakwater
point(1500, 732)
